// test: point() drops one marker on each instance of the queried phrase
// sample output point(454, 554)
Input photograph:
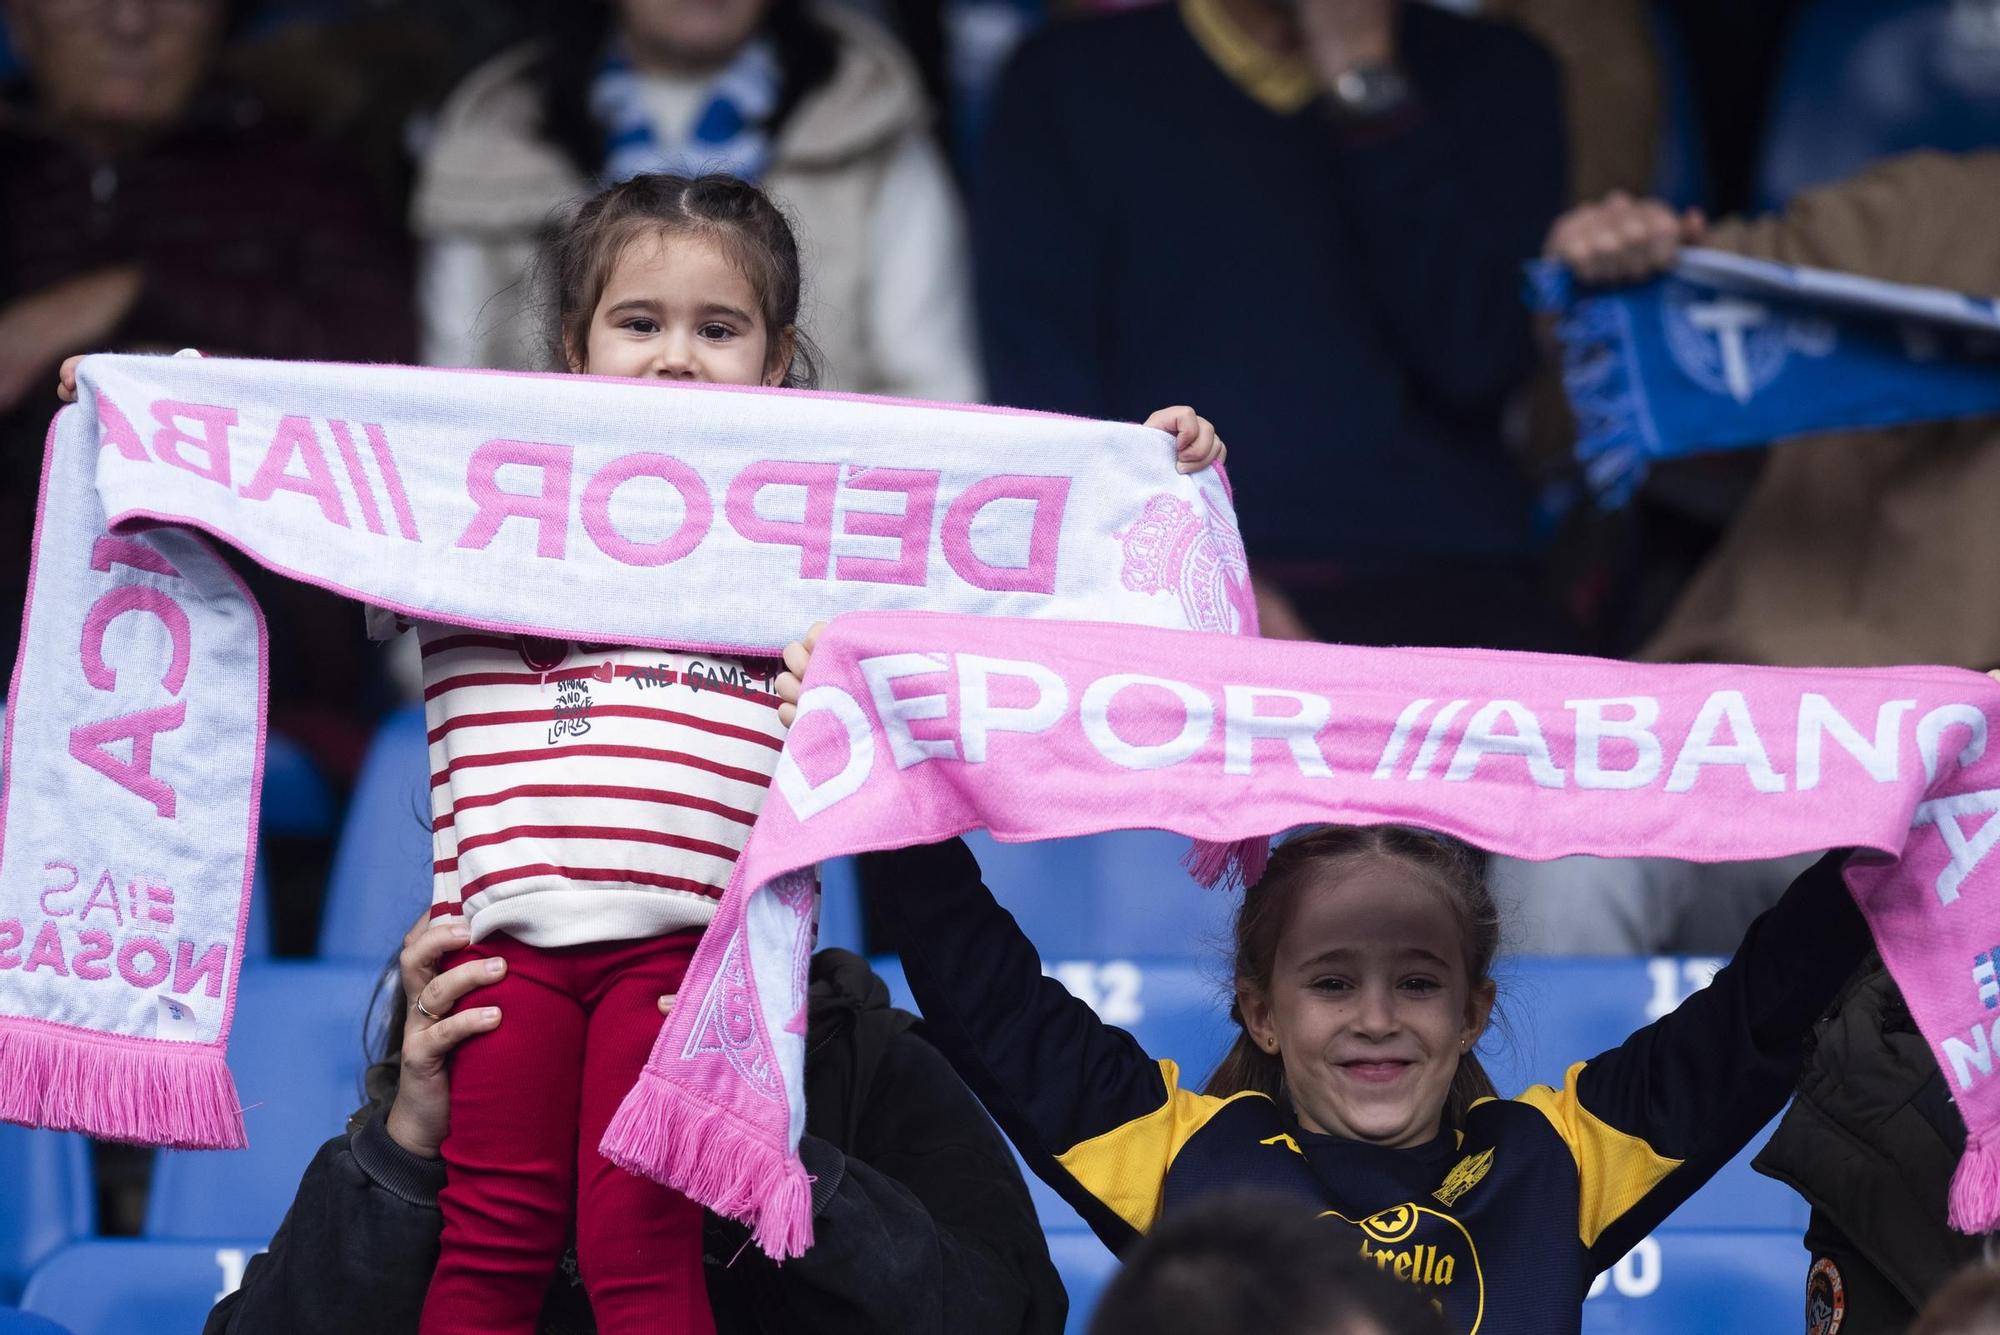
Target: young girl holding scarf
point(588, 805)
point(1363, 982)
point(1362, 985)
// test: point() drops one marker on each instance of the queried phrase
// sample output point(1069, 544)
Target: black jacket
point(1501, 1221)
point(1871, 1142)
point(921, 1219)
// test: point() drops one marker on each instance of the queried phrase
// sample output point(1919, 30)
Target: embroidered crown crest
point(1463, 1177)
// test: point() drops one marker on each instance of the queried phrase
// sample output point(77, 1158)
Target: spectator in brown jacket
point(1855, 549)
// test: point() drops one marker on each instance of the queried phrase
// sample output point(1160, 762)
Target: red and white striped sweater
point(581, 793)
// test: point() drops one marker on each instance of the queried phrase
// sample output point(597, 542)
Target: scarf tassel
point(1228, 866)
point(1975, 1189)
point(1604, 391)
point(118, 1089)
point(708, 1155)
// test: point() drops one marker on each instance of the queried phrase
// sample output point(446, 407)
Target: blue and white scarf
point(1726, 353)
point(728, 135)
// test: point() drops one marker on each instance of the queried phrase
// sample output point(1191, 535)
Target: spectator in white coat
point(815, 103)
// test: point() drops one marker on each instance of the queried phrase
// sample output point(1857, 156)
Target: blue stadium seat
point(126, 1285)
point(13, 1321)
point(1086, 1267)
point(1750, 1281)
point(1862, 79)
point(1174, 1007)
point(1122, 893)
point(1119, 894)
point(257, 932)
point(48, 1200)
point(296, 802)
point(381, 876)
point(297, 799)
point(297, 1054)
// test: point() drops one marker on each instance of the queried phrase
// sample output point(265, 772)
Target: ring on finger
point(426, 1011)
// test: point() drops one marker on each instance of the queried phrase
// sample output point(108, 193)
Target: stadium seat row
point(1675, 1281)
point(302, 1032)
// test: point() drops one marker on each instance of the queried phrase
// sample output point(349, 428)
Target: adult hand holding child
point(433, 1025)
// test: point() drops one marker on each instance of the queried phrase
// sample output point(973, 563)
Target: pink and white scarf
point(914, 727)
point(611, 511)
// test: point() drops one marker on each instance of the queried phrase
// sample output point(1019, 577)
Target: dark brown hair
point(734, 214)
point(1247, 1261)
point(1968, 1304)
point(1455, 869)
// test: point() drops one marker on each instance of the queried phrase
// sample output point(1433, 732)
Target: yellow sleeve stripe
point(1126, 1166)
point(1615, 1170)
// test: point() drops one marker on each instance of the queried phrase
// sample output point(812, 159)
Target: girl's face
point(675, 307)
point(1369, 1006)
point(688, 34)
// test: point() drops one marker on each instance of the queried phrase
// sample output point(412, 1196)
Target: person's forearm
point(1041, 1061)
point(1696, 1084)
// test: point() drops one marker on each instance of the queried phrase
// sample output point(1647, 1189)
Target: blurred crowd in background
point(1097, 208)
point(1090, 208)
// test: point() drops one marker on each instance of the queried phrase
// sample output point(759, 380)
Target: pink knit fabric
point(915, 727)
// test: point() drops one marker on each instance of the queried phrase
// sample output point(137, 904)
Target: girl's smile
point(1370, 1007)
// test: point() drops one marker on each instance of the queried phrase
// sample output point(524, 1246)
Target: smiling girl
point(1362, 984)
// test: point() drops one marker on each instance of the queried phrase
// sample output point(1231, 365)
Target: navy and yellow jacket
point(1503, 1221)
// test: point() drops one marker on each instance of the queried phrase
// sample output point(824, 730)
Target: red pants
point(529, 1104)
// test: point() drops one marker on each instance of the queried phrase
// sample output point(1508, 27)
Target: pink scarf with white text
point(915, 727)
point(620, 512)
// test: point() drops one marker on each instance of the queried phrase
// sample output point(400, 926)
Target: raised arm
point(1654, 1118)
point(1092, 1114)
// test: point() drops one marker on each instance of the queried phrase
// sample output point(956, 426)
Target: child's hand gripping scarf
point(624, 512)
point(915, 727)
point(1725, 353)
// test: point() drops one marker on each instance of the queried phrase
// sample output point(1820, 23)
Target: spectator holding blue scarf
point(1856, 549)
point(812, 102)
